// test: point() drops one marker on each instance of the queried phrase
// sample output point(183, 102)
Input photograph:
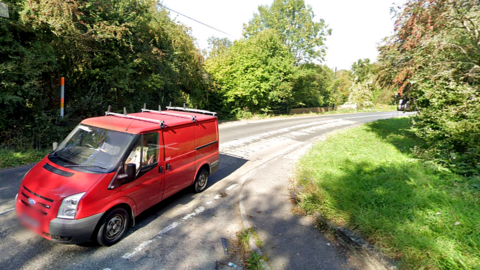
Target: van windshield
point(92, 149)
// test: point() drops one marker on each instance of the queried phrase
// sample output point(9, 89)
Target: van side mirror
point(130, 173)
point(131, 170)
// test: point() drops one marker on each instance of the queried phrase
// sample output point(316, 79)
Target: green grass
point(11, 158)
point(252, 260)
point(255, 261)
point(368, 179)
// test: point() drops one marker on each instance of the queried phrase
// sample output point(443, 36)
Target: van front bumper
point(75, 231)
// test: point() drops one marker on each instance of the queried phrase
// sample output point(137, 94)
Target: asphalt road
point(185, 231)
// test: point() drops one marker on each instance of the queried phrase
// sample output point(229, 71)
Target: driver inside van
point(137, 158)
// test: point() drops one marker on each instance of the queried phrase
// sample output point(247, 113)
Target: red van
point(112, 168)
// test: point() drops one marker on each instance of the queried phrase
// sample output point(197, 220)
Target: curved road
point(185, 231)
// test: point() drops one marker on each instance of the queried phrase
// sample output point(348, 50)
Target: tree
point(365, 89)
point(123, 53)
point(295, 23)
point(342, 86)
point(362, 70)
point(434, 59)
point(254, 75)
point(218, 46)
point(314, 86)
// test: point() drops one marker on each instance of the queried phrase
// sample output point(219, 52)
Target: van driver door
point(147, 188)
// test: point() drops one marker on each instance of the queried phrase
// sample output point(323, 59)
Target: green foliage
point(415, 211)
point(341, 86)
point(254, 75)
point(365, 89)
point(218, 46)
point(255, 261)
point(9, 158)
point(362, 70)
point(314, 86)
point(433, 60)
point(121, 53)
point(294, 22)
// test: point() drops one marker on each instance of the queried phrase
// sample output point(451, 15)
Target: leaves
point(295, 23)
point(434, 59)
point(119, 53)
point(254, 74)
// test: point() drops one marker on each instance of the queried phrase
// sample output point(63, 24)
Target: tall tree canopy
point(434, 59)
point(295, 23)
point(123, 53)
point(254, 75)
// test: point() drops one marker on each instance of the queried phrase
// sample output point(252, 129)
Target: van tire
point(113, 227)
point(201, 181)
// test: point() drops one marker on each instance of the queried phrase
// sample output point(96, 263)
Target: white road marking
point(199, 209)
point(232, 187)
point(168, 228)
point(148, 242)
point(248, 140)
point(137, 249)
point(7, 211)
point(189, 216)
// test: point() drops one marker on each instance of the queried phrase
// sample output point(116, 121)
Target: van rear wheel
point(113, 227)
point(201, 181)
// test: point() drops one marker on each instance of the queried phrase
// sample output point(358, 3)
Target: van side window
point(145, 151)
point(150, 149)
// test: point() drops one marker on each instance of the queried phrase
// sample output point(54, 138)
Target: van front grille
point(40, 196)
point(39, 206)
point(36, 209)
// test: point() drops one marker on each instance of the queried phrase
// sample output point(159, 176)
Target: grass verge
point(369, 179)
point(11, 158)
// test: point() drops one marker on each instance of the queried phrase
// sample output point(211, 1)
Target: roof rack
point(124, 115)
point(191, 110)
point(192, 117)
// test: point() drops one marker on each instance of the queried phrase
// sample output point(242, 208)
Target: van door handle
point(160, 169)
point(168, 167)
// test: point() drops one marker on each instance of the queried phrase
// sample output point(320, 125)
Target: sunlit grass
point(368, 179)
point(12, 158)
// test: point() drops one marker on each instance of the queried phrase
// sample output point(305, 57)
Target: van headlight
point(69, 206)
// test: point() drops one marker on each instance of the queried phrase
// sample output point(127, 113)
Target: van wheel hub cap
point(202, 181)
point(114, 226)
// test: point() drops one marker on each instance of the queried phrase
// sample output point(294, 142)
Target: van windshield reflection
point(92, 149)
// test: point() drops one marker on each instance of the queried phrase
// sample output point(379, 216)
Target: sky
point(357, 26)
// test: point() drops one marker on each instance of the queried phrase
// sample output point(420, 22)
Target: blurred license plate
point(29, 220)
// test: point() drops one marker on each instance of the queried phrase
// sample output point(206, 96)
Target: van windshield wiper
point(80, 165)
point(56, 155)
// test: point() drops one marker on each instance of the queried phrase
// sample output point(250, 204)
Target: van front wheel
point(113, 227)
point(201, 181)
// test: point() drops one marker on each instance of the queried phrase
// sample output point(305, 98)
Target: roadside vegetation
point(417, 211)
point(433, 60)
point(10, 158)
point(252, 259)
